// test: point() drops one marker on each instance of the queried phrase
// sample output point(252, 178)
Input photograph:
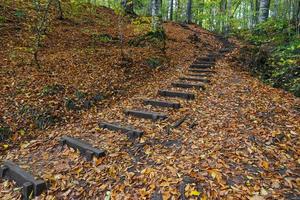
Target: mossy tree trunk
point(156, 16)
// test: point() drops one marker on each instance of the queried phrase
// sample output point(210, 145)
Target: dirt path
point(240, 141)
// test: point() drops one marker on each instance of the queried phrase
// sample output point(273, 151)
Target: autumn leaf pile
point(244, 142)
point(79, 71)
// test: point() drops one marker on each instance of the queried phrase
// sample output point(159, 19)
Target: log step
point(30, 186)
point(200, 66)
point(208, 59)
point(146, 115)
point(87, 150)
point(201, 71)
point(204, 62)
point(160, 103)
point(183, 95)
point(199, 75)
point(224, 50)
point(131, 133)
point(188, 85)
point(194, 79)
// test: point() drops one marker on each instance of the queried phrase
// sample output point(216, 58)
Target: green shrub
point(153, 62)
point(279, 64)
point(2, 19)
point(52, 89)
point(5, 132)
point(20, 14)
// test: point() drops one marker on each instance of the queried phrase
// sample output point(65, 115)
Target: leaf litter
point(244, 145)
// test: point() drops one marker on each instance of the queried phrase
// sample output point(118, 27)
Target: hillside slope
point(81, 66)
point(232, 138)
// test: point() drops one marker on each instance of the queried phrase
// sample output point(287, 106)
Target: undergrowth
point(276, 57)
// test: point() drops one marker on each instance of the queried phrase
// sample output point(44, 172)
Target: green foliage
point(153, 62)
point(156, 38)
point(20, 14)
point(52, 89)
point(70, 104)
point(2, 19)
point(82, 100)
point(281, 65)
point(5, 131)
point(270, 31)
point(40, 117)
point(142, 24)
point(285, 63)
point(45, 120)
point(104, 38)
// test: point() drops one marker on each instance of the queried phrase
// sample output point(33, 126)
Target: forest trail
point(238, 140)
point(221, 134)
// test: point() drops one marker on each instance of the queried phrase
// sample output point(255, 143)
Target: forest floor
point(244, 144)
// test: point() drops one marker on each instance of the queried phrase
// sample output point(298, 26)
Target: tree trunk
point(222, 17)
point(156, 15)
point(201, 12)
point(276, 8)
point(189, 11)
point(228, 17)
point(264, 10)
point(256, 11)
point(296, 11)
point(252, 19)
point(128, 7)
point(171, 10)
point(60, 11)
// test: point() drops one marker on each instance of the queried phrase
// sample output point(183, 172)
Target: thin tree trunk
point(176, 9)
point(40, 30)
point(276, 8)
point(189, 11)
point(296, 10)
point(201, 9)
point(222, 17)
point(228, 17)
point(171, 10)
point(128, 7)
point(256, 11)
point(60, 11)
point(156, 15)
point(252, 19)
point(264, 10)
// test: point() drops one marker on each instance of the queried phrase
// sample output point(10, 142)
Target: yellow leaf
point(5, 146)
point(215, 174)
point(22, 132)
point(195, 193)
point(204, 197)
point(78, 171)
point(265, 165)
point(147, 170)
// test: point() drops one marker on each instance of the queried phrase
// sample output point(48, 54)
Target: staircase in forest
point(197, 77)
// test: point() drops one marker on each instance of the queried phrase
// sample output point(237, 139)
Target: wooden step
point(131, 133)
point(183, 95)
point(204, 62)
point(30, 186)
point(188, 85)
point(194, 79)
point(200, 66)
point(160, 103)
point(199, 75)
point(146, 114)
point(87, 150)
point(207, 58)
point(201, 71)
point(224, 50)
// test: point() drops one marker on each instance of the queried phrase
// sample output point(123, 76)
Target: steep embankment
point(81, 66)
